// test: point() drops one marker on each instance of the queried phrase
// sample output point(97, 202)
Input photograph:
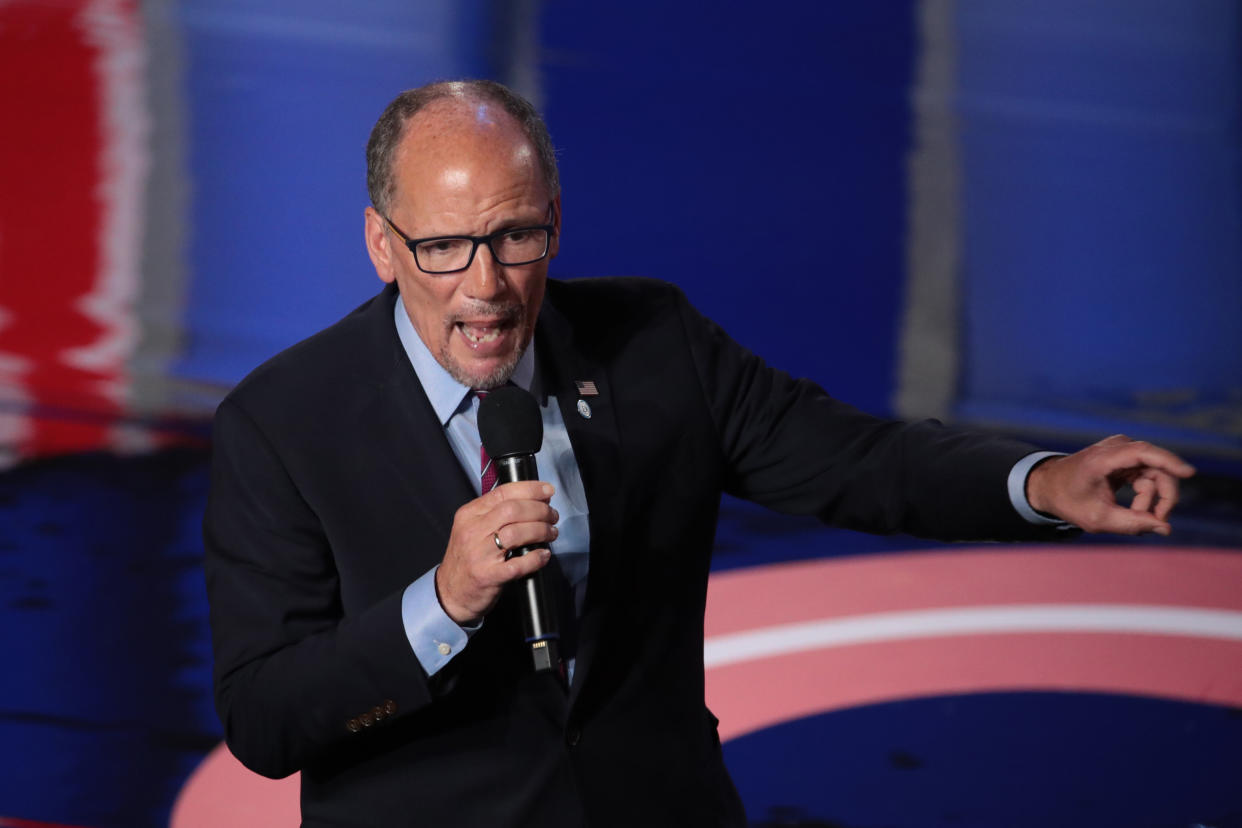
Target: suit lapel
point(593, 435)
point(399, 418)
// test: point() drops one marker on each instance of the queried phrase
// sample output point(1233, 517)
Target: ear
point(379, 245)
point(554, 246)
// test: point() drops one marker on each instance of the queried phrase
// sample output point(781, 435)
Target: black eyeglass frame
point(475, 241)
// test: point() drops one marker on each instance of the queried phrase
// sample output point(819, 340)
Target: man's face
point(467, 170)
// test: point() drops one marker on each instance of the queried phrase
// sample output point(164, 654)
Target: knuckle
point(507, 511)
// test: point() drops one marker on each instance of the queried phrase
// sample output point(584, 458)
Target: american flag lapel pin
point(586, 388)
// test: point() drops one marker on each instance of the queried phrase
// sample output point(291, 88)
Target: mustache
point(505, 311)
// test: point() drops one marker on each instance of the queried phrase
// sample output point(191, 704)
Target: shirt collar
point(445, 393)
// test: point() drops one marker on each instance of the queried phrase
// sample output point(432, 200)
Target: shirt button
point(444, 648)
point(572, 736)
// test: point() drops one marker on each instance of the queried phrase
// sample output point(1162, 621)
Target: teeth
point(488, 335)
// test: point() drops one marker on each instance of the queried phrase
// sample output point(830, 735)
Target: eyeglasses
point(452, 254)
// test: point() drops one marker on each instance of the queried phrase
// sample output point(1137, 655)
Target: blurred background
point(1019, 216)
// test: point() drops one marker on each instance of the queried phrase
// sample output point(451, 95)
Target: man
point(357, 571)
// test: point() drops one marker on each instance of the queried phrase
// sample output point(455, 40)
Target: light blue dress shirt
point(436, 638)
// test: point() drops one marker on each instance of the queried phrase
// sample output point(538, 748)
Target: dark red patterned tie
point(486, 467)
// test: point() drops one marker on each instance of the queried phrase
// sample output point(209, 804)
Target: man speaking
point(361, 565)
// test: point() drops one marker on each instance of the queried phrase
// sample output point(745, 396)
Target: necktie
point(487, 469)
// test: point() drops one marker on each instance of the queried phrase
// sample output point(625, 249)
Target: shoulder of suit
point(614, 301)
point(612, 288)
point(360, 345)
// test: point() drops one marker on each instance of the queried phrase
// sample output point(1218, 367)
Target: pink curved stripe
point(753, 695)
point(221, 791)
point(766, 596)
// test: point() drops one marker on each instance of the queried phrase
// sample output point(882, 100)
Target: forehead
point(456, 153)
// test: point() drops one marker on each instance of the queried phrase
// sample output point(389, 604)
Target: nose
point(485, 278)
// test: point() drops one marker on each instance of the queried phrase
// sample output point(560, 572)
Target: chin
point(498, 375)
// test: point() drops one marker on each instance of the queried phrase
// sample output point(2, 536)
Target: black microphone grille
point(510, 422)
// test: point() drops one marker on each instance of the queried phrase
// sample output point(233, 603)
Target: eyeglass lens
point(516, 247)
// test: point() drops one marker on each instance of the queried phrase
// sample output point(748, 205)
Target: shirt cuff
point(1017, 490)
point(434, 637)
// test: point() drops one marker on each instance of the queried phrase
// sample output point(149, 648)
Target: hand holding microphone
point(503, 535)
point(512, 431)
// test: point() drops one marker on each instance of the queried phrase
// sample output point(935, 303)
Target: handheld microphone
point(512, 431)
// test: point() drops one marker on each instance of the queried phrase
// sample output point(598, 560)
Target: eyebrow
point(547, 217)
point(513, 224)
point(536, 222)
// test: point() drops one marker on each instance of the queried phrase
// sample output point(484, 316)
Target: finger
point(1144, 495)
point(1166, 486)
point(525, 490)
point(521, 490)
point(1127, 522)
point(516, 535)
point(1145, 454)
point(519, 511)
point(523, 565)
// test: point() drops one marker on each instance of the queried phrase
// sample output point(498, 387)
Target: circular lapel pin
point(584, 409)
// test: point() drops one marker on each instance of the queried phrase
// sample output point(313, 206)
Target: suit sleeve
point(788, 445)
point(294, 677)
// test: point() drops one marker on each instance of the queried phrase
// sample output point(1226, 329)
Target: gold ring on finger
point(496, 540)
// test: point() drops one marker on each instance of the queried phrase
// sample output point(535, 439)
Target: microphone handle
point(538, 615)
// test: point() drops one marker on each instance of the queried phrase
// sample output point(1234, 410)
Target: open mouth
point(479, 334)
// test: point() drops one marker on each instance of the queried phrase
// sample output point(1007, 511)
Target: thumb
point(1125, 521)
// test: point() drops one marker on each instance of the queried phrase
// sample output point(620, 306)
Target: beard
point(485, 382)
point(498, 376)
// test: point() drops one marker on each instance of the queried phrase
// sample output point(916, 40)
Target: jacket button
point(573, 736)
point(378, 713)
point(367, 719)
point(390, 707)
point(353, 726)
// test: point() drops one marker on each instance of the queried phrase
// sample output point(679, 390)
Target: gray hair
point(388, 130)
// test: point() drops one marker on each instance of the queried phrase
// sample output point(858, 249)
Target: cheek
point(428, 310)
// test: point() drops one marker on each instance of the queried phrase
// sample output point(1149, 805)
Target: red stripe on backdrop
point(754, 695)
point(873, 643)
point(13, 822)
point(53, 217)
point(745, 599)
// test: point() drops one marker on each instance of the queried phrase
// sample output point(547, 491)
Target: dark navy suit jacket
point(334, 487)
